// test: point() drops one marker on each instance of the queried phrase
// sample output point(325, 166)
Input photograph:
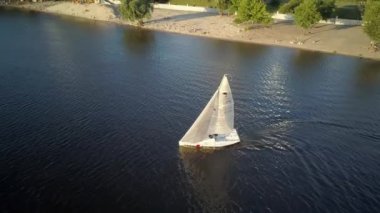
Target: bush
point(136, 10)
point(306, 14)
point(253, 11)
point(234, 6)
point(372, 20)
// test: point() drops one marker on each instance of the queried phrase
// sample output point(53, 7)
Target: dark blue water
point(91, 114)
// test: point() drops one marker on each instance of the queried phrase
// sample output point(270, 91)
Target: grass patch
point(271, 8)
point(345, 9)
point(348, 10)
point(199, 3)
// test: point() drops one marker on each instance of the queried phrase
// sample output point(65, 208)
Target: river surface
point(91, 114)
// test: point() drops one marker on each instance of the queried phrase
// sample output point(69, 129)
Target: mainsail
point(216, 118)
point(222, 120)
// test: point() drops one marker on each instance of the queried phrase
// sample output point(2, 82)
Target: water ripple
point(90, 122)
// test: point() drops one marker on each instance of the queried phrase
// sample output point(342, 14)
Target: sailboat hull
point(217, 141)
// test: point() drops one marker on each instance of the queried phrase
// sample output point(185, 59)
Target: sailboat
point(214, 127)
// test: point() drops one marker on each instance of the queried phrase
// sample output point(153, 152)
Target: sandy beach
point(346, 40)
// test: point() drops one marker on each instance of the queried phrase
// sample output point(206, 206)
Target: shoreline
point(324, 38)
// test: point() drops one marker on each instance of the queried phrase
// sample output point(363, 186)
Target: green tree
point(325, 7)
point(222, 5)
point(136, 10)
point(289, 6)
point(372, 20)
point(253, 11)
point(306, 14)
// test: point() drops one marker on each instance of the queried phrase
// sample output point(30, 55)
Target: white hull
point(218, 141)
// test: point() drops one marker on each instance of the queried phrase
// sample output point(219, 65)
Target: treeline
point(29, 1)
point(306, 13)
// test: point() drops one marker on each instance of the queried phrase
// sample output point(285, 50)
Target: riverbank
point(346, 40)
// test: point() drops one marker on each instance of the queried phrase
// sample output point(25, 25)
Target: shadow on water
point(369, 73)
point(209, 174)
point(226, 51)
point(138, 40)
point(252, 50)
point(114, 8)
point(306, 59)
point(17, 11)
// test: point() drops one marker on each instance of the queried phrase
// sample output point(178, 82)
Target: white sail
point(199, 130)
point(222, 121)
point(216, 121)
